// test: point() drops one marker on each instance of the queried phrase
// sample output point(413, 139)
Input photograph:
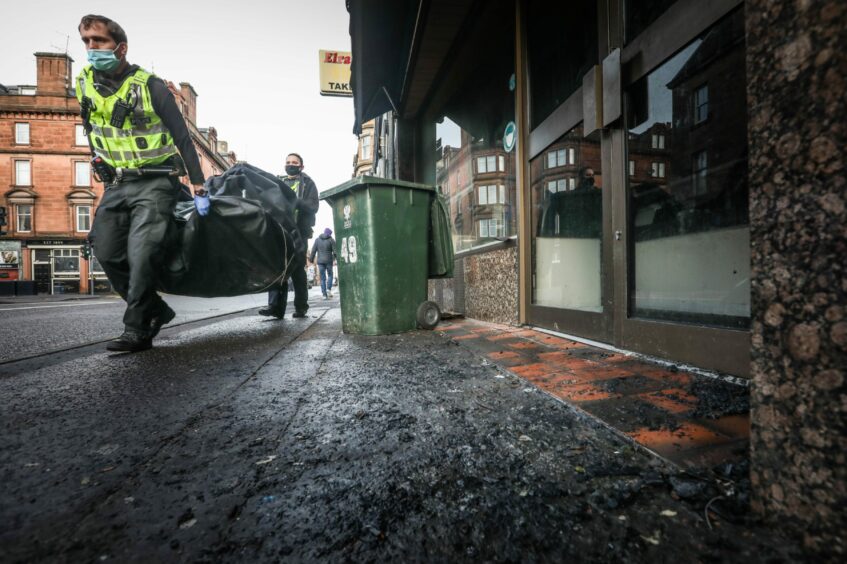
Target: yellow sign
point(335, 73)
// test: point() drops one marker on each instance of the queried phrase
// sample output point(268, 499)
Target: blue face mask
point(104, 59)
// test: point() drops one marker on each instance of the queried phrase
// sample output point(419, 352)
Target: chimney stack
point(54, 72)
point(189, 96)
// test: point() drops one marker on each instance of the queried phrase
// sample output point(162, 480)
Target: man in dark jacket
point(324, 248)
point(306, 208)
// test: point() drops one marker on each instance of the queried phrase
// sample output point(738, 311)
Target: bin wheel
point(428, 315)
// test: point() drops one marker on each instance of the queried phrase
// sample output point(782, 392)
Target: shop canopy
point(399, 47)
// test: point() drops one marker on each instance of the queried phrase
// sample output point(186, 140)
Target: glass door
point(42, 270)
point(568, 274)
point(682, 277)
point(636, 176)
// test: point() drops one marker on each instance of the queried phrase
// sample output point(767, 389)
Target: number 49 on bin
point(348, 249)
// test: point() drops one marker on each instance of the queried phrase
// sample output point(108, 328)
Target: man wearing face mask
point(306, 207)
point(136, 135)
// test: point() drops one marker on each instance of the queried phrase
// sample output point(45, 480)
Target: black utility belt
point(127, 174)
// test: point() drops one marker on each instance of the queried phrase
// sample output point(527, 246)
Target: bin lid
point(372, 181)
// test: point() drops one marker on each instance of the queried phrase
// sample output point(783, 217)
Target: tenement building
point(666, 177)
point(48, 191)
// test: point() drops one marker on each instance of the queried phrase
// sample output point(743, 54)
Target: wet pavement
point(244, 439)
point(32, 325)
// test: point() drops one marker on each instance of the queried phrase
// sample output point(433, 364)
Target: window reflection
point(567, 213)
point(639, 14)
point(562, 45)
point(687, 148)
point(477, 178)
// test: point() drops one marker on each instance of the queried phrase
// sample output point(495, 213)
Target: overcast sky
point(253, 63)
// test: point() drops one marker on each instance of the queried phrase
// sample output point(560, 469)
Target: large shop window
point(567, 214)
point(690, 214)
point(475, 140)
point(639, 14)
point(562, 43)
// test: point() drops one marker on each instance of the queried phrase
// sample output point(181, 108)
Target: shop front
point(636, 230)
point(594, 159)
point(58, 267)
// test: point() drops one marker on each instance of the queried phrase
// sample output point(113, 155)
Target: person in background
point(306, 208)
point(324, 249)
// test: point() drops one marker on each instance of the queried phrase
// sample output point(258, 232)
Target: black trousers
point(278, 297)
point(130, 230)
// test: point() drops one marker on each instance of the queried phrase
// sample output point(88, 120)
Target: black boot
point(130, 341)
point(165, 316)
point(272, 312)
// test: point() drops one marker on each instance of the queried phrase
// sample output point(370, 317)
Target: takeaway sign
point(335, 73)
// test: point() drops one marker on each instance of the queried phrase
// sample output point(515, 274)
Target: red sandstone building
point(46, 183)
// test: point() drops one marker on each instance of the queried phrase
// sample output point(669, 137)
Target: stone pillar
point(797, 79)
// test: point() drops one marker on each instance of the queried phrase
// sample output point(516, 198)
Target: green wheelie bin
point(390, 238)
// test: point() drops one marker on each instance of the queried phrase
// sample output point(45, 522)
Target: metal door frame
point(713, 348)
point(593, 325)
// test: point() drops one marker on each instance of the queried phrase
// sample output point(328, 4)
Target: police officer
point(305, 211)
point(136, 134)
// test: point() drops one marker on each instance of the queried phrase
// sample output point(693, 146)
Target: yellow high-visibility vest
point(142, 139)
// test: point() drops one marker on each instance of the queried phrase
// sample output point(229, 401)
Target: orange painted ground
point(692, 420)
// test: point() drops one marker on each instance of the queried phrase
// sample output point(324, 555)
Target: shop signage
point(335, 73)
point(10, 254)
point(510, 136)
point(52, 243)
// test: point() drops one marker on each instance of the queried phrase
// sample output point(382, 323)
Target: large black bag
point(247, 243)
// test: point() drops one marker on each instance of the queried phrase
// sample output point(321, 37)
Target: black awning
point(380, 36)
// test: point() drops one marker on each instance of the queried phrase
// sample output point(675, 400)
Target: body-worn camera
point(85, 110)
point(120, 112)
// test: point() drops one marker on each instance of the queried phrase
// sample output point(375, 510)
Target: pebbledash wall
point(487, 288)
point(797, 71)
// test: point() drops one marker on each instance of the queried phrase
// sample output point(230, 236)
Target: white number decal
point(351, 249)
point(348, 249)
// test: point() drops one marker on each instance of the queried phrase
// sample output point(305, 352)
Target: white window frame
point(22, 133)
point(80, 138)
point(632, 168)
point(79, 216)
point(501, 164)
point(19, 208)
point(28, 172)
point(657, 169)
point(572, 156)
point(86, 176)
point(480, 165)
point(366, 147)
point(559, 157)
point(65, 253)
point(700, 172)
point(490, 228)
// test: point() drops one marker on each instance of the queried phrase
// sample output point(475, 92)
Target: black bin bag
point(246, 244)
